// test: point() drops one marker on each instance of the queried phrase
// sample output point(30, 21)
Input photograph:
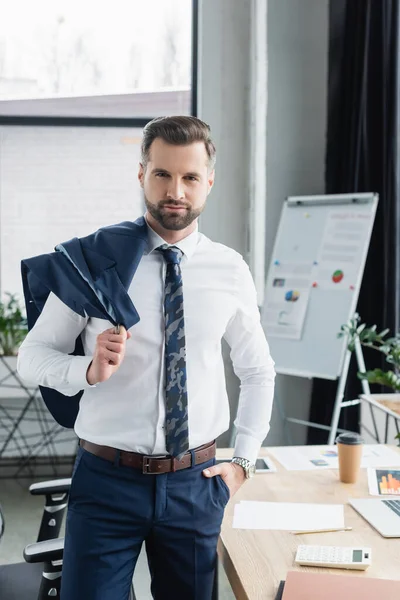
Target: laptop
point(382, 514)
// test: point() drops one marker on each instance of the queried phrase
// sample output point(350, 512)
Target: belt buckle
point(146, 465)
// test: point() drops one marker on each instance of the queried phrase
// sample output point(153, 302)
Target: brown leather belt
point(150, 465)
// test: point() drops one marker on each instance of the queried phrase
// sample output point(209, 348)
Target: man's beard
point(170, 219)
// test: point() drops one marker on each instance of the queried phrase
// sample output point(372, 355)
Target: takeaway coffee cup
point(350, 447)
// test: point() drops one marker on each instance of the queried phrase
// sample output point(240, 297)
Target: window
point(74, 58)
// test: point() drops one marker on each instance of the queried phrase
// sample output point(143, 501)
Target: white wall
point(60, 182)
point(224, 33)
point(223, 96)
point(297, 84)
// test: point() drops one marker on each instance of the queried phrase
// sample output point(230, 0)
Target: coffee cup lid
point(349, 438)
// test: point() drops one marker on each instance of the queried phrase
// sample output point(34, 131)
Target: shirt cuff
point(247, 447)
point(77, 372)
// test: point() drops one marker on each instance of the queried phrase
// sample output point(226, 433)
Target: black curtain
point(363, 156)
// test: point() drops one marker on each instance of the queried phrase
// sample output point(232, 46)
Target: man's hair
point(179, 131)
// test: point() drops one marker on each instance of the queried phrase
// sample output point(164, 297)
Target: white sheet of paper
point(287, 295)
point(309, 458)
point(341, 248)
point(290, 516)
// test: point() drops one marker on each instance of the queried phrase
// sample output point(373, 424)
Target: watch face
point(251, 470)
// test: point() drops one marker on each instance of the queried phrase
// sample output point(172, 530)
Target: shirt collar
point(187, 245)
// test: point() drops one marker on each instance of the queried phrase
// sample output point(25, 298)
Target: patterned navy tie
point(177, 432)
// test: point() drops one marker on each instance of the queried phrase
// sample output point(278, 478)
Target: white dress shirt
point(128, 410)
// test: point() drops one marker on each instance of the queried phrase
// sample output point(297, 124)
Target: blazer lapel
point(109, 276)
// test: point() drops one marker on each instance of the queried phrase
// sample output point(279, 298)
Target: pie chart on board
point(292, 296)
point(337, 276)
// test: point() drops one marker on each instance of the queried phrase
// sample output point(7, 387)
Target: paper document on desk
point(309, 458)
point(384, 482)
point(290, 516)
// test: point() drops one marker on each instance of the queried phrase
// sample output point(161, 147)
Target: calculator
point(334, 557)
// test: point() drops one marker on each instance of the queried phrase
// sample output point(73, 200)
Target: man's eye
point(191, 178)
point(161, 175)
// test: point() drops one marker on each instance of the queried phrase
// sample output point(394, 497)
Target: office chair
point(39, 577)
point(1, 523)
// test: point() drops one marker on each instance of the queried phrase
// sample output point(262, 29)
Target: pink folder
point(305, 585)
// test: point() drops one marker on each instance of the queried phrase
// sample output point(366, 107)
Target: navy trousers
point(114, 509)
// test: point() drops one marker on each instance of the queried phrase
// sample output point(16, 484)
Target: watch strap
point(246, 465)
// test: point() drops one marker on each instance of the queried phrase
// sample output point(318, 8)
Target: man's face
point(176, 183)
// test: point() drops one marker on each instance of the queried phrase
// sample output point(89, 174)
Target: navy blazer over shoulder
point(91, 275)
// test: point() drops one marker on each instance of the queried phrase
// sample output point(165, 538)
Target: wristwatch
point(248, 467)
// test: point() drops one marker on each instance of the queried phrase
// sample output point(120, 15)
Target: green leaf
point(386, 378)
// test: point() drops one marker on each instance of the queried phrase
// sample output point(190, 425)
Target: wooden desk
point(256, 561)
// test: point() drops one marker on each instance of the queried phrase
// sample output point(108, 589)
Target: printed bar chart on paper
point(389, 484)
point(384, 482)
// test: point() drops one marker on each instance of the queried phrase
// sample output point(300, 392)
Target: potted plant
point(387, 346)
point(13, 329)
point(13, 325)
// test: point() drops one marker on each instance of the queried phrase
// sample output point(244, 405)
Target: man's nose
point(175, 190)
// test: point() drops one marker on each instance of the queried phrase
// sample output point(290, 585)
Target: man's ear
point(141, 175)
point(210, 180)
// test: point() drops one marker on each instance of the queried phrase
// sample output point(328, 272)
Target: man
point(154, 396)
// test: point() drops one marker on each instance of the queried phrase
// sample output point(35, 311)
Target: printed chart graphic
point(388, 482)
point(292, 296)
point(337, 276)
